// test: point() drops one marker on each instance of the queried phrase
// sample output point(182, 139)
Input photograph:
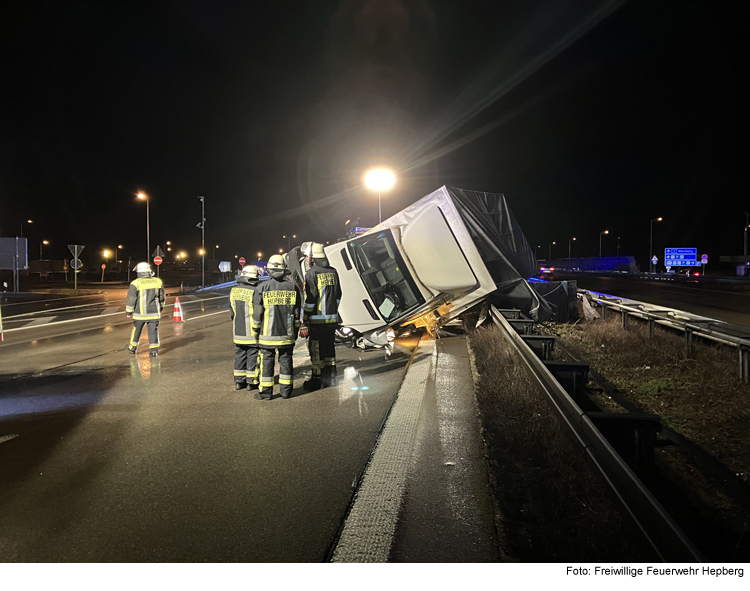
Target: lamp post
point(202, 226)
point(105, 254)
point(42, 243)
point(747, 224)
point(380, 179)
point(618, 246)
point(25, 222)
point(600, 241)
point(550, 251)
point(651, 244)
point(144, 197)
point(215, 247)
point(569, 245)
point(289, 241)
point(536, 251)
point(260, 254)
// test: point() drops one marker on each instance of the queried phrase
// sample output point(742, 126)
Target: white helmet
point(317, 251)
point(144, 268)
point(276, 263)
point(250, 271)
point(306, 249)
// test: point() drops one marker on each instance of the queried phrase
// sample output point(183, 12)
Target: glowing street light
point(289, 244)
point(25, 222)
point(42, 243)
point(260, 254)
point(600, 241)
point(215, 247)
point(569, 245)
point(550, 250)
point(379, 179)
point(144, 197)
point(651, 244)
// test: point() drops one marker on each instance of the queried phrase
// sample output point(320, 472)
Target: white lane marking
point(368, 532)
point(96, 317)
point(4, 438)
point(205, 315)
point(40, 321)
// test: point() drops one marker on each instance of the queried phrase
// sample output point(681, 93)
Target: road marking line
point(4, 438)
point(369, 528)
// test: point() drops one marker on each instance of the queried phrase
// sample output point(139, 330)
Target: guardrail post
point(604, 311)
point(688, 342)
point(651, 326)
point(744, 369)
point(625, 319)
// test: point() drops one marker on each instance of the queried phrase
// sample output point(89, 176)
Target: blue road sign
point(681, 257)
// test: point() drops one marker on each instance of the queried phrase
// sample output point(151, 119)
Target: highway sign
point(158, 260)
point(225, 267)
point(242, 260)
point(681, 257)
point(76, 264)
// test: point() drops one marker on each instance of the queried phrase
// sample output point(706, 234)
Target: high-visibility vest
point(322, 295)
point(276, 312)
point(145, 298)
point(241, 309)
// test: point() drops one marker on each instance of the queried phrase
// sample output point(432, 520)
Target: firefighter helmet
point(317, 251)
point(144, 268)
point(306, 249)
point(276, 263)
point(250, 272)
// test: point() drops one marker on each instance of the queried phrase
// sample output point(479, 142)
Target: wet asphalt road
point(107, 457)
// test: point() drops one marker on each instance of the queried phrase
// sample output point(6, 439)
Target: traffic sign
point(103, 266)
point(654, 260)
point(75, 249)
point(242, 260)
point(681, 257)
point(158, 252)
point(158, 260)
point(704, 258)
point(76, 263)
point(225, 267)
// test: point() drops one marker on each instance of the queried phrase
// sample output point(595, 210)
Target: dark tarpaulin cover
point(504, 250)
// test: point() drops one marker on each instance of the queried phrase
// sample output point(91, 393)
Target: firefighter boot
point(239, 385)
point(329, 377)
point(312, 384)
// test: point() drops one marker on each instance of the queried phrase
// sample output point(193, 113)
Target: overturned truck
point(432, 261)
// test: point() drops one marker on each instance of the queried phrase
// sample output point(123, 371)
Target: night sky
point(587, 115)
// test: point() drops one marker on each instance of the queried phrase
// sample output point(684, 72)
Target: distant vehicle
point(432, 261)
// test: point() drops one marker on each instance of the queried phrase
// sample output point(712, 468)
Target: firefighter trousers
point(153, 334)
point(322, 348)
point(246, 364)
point(286, 369)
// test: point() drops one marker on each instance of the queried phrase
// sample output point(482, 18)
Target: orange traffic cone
point(177, 316)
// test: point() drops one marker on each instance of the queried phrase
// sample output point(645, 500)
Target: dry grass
point(701, 397)
point(551, 507)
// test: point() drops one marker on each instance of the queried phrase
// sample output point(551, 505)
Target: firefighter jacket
point(241, 310)
point(145, 298)
point(276, 311)
point(322, 295)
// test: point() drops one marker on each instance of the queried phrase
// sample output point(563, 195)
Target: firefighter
point(245, 341)
point(144, 306)
point(321, 317)
point(276, 321)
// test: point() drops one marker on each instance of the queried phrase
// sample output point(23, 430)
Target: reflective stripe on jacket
point(241, 309)
point(276, 311)
point(322, 295)
point(145, 298)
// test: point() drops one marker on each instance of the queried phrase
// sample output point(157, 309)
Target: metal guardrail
point(661, 531)
point(691, 324)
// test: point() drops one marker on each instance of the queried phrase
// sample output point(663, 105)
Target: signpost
point(681, 257)
point(242, 261)
point(704, 262)
point(103, 267)
point(75, 250)
point(157, 254)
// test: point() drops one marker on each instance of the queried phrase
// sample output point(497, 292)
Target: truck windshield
point(385, 276)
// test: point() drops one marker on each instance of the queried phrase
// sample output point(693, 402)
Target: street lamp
point(618, 246)
point(260, 254)
point(25, 222)
point(600, 241)
point(569, 241)
point(550, 251)
point(42, 243)
point(536, 251)
point(215, 247)
point(380, 179)
point(144, 197)
point(747, 224)
point(289, 243)
point(202, 226)
point(651, 244)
